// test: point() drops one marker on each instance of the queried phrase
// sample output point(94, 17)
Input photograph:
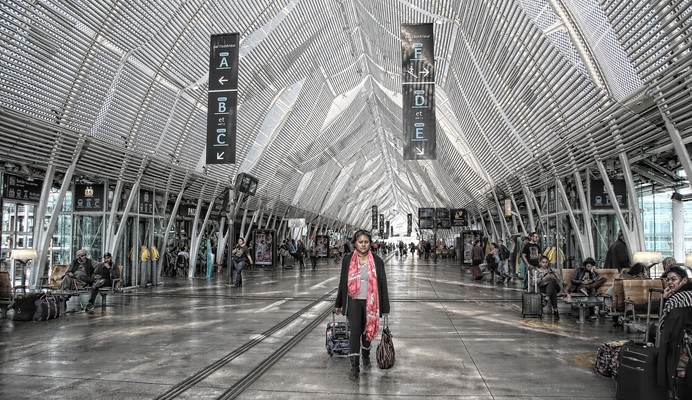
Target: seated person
point(80, 270)
point(674, 371)
point(585, 279)
point(548, 283)
point(103, 275)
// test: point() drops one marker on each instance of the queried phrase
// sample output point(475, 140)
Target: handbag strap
point(385, 321)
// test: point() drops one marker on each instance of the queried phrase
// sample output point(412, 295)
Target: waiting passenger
point(667, 264)
point(531, 255)
point(675, 336)
point(548, 283)
point(363, 298)
point(103, 276)
point(81, 270)
point(585, 279)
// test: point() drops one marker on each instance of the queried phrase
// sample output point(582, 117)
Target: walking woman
point(363, 298)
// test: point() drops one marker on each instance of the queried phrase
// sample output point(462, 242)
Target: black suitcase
point(25, 307)
point(532, 303)
point(636, 376)
point(337, 335)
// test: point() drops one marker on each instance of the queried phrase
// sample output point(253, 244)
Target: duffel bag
point(24, 307)
point(47, 307)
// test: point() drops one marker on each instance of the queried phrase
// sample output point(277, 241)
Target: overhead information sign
point(222, 99)
point(418, 90)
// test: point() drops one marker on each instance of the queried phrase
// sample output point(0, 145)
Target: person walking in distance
point(363, 297)
point(241, 255)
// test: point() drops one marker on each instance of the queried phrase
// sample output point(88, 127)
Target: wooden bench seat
point(55, 283)
point(609, 273)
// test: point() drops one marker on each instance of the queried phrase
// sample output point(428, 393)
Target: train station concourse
point(166, 168)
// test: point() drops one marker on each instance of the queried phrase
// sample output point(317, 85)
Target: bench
point(55, 283)
point(637, 294)
point(609, 273)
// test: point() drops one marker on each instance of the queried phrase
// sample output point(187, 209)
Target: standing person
point(531, 255)
point(477, 253)
point(313, 257)
point(674, 370)
point(283, 253)
point(504, 254)
point(300, 254)
point(618, 256)
point(104, 274)
point(241, 255)
point(363, 298)
point(548, 283)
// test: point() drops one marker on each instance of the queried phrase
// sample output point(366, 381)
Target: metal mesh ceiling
point(526, 91)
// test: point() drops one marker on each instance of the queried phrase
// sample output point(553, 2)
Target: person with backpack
point(504, 255)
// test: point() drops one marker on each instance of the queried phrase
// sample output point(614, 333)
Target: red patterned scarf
point(372, 300)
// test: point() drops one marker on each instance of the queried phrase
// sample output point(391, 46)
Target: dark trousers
point(95, 291)
point(551, 289)
point(356, 319)
point(591, 287)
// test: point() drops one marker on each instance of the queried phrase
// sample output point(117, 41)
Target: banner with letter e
point(418, 91)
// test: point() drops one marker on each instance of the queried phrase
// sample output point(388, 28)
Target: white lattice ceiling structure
point(526, 91)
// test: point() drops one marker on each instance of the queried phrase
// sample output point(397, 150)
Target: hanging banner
point(599, 195)
point(222, 98)
point(146, 202)
point(382, 232)
point(426, 218)
point(21, 189)
point(89, 197)
point(409, 224)
point(374, 218)
point(459, 217)
point(442, 219)
point(418, 91)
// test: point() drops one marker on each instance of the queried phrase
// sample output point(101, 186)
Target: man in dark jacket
point(81, 270)
point(104, 275)
point(618, 256)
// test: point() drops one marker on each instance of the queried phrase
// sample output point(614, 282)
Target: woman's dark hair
point(679, 271)
point(636, 269)
point(361, 232)
point(589, 260)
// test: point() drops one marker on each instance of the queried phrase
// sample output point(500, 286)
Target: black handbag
point(385, 350)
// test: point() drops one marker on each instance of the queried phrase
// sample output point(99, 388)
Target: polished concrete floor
point(455, 338)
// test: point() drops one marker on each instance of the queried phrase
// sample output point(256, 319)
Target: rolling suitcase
point(476, 272)
point(337, 335)
point(532, 303)
point(636, 374)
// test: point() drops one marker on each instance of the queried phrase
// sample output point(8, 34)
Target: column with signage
point(222, 99)
point(418, 80)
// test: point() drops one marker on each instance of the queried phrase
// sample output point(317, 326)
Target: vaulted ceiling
point(525, 91)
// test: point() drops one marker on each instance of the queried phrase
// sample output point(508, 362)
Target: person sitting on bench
point(80, 270)
point(547, 283)
point(103, 276)
point(585, 279)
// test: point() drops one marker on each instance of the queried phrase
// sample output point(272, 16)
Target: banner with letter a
point(222, 98)
point(418, 91)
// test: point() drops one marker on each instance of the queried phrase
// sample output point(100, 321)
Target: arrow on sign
point(222, 80)
point(426, 72)
point(219, 156)
point(420, 151)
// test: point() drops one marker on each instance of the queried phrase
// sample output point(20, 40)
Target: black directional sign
point(222, 99)
point(418, 91)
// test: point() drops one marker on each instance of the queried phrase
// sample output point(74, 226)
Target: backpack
point(504, 253)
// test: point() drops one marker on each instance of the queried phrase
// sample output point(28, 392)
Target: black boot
point(355, 368)
point(365, 353)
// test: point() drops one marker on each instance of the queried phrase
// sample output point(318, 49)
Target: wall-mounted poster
point(263, 247)
point(322, 245)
